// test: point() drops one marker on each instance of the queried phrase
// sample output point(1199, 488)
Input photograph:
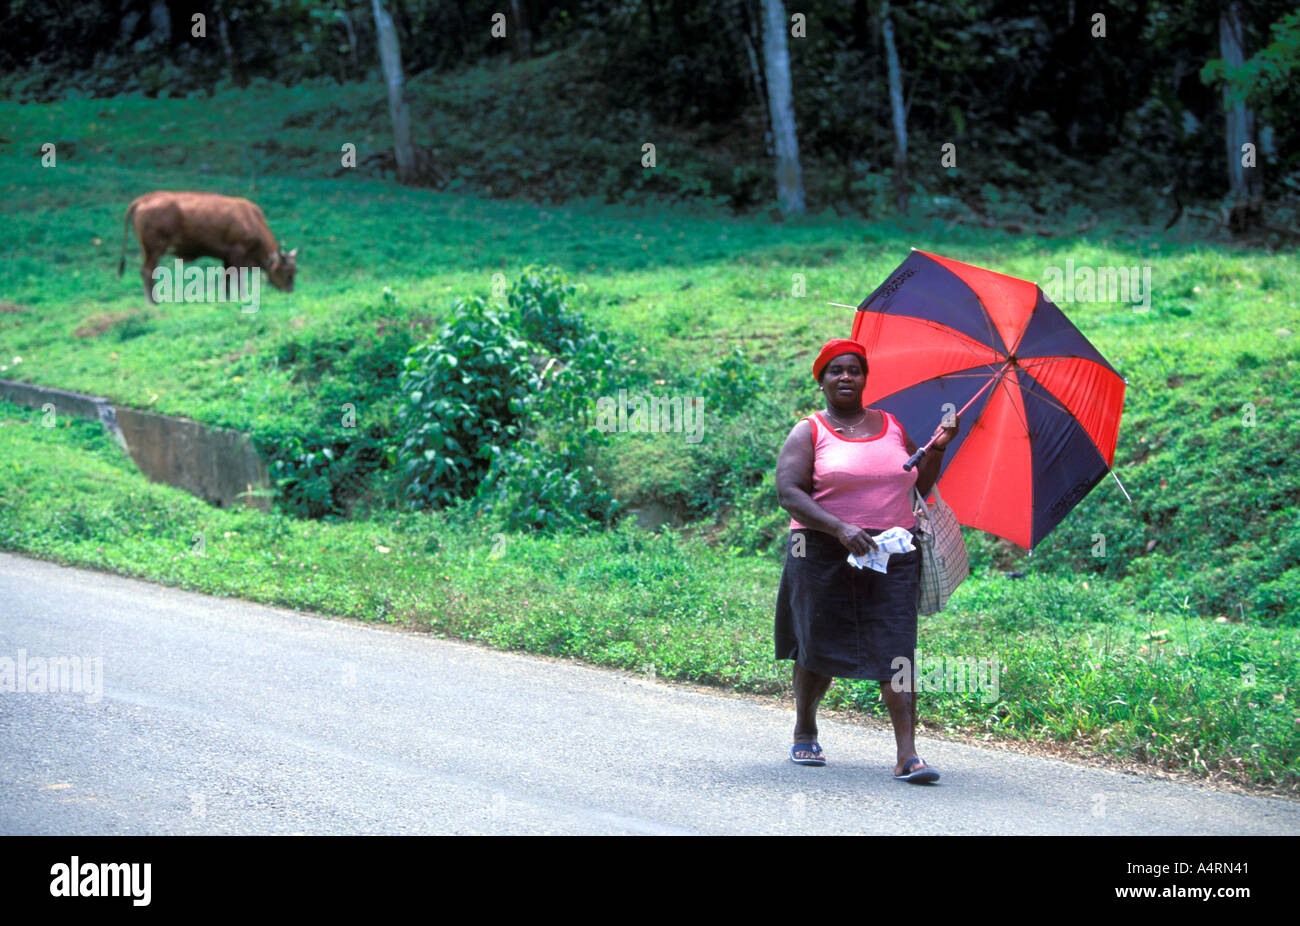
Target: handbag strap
point(938, 497)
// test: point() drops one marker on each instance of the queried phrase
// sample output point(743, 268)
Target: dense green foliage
point(546, 481)
point(1267, 79)
point(479, 422)
point(1051, 115)
point(465, 391)
point(338, 454)
point(541, 309)
point(315, 376)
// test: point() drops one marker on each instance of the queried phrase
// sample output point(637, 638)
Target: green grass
point(1214, 693)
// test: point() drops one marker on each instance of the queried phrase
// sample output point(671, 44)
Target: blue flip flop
point(919, 777)
point(815, 748)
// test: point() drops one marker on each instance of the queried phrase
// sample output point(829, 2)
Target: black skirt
point(835, 619)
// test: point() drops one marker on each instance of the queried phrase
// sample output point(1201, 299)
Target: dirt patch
point(98, 324)
point(10, 308)
point(248, 348)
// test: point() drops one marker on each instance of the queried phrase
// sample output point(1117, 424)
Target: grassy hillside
point(679, 289)
point(1177, 646)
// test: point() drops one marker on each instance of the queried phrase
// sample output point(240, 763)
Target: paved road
point(220, 716)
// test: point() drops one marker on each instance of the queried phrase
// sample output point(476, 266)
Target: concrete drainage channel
point(218, 465)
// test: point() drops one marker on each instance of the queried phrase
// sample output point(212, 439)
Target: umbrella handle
point(916, 457)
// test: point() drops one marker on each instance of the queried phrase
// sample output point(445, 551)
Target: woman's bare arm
point(927, 474)
point(794, 484)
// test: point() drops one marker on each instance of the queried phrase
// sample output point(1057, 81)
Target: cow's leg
point(238, 286)
point(146, 272)
point(235, 258)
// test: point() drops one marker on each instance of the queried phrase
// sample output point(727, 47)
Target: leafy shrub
point(758, 523)
point(532, 486)
point(546, 481)
point(733, 383)
point(745, 426)
point(301, 472)
point(539, 309)
point(426, 423)
point(320, 470)
point(465, 392)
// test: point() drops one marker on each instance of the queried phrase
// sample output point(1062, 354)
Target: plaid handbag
point(943, 552)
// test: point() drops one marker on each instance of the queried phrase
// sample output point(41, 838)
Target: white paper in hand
point(894, 540)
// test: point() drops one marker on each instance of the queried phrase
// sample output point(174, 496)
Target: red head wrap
point(832, 349)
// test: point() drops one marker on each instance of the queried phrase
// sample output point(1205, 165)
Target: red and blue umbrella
point(1040, 405)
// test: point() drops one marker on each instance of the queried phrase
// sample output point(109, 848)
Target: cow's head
point(282, 268)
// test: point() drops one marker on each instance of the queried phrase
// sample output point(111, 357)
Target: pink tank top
point(862, 481)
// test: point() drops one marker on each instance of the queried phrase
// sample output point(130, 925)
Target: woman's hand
point(857, 540)
point(942, 436)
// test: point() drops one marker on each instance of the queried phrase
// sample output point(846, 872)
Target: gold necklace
point(847, 427)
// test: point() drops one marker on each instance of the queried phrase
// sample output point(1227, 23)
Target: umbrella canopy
point(1042, 427)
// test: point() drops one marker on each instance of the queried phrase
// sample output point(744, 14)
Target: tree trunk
point(896, 105)
point(1242, 181)
point(754, 37)
point(738, 24)
point(780, 100)
point(160, 19)
point(130, 20)
point(352, 42)
point(391, 58)
point(521, 37)
point(223, 36)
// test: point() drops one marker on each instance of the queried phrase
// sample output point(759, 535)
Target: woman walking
point(840, 475)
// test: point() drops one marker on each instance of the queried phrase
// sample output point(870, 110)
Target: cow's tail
point(126, 231)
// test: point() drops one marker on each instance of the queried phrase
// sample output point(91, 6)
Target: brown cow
point(194, 225)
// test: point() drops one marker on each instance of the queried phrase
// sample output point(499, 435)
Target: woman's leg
point(901, 588)
point(809, 688)
point(900, 705)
